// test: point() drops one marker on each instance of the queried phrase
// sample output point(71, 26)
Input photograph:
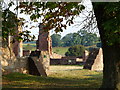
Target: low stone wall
point(55, 56)
point(68, 60)
point(26, 52)
point(10, 63)
point(21, 65)
point(62, 62)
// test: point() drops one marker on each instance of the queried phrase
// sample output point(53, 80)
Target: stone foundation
point(12, 64)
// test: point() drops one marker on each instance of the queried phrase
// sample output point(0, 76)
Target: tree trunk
point(111, 71)
point(111, 54)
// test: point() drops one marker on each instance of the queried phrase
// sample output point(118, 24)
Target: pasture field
point(29, 46)
point(60, 77)
point(60, 50)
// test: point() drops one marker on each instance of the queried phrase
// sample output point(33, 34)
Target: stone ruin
point(17, 46)
point(95, 60)
point(38, 62)
point(85, 55)
point(12, 61)
point(57, 59)
point(44, 42)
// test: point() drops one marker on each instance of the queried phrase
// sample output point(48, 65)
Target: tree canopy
point(56, 40)
point(77, 50)
point(82, 37)
point(111, 18)
point(11, 24)
point(53, 12)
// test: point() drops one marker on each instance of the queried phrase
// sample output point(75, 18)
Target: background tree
point(71, 39)
point(56, 40)
point(77, 50)
point(10, 23)
point(82, 37)
point(67, 40)
point(88, 38)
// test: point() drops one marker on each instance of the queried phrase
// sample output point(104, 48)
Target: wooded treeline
point(81, 37)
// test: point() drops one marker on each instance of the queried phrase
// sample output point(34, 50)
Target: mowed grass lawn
point(60, 50)
point(60, 77)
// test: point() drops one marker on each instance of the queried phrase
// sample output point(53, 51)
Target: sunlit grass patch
point(58, 79)
point(60, 50)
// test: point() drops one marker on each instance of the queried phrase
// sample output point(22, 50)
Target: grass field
point(60, 50)
point(29, 46)
point(60, 77)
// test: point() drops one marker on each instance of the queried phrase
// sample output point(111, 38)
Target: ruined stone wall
point(7, 59)
point(98, 62)
point(44, 42)
point(63, 61)
point(39, 62)
point(85, 55)
point(26, 52)
point(45, 59)
point(21, 64)
point(10, 63)
point(95, 60)
point(55, 56)
point(17, 45)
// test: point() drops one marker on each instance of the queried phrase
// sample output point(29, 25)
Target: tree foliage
point(111, 24)
point(88, 38)
point(77, 50)
point(80, 38)
point(56, 40)
point(53, 12)
point(11, 24)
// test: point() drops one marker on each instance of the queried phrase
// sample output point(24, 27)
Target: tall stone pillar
point(44, 42)
point(17, 45)
point(44, 45)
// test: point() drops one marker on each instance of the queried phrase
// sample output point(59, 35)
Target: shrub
point(76, 50)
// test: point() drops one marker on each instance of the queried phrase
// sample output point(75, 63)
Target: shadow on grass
point(18, 80)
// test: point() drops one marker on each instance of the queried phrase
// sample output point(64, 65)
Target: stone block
point(26, 52)
point(95, 60)
point(39, 63)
